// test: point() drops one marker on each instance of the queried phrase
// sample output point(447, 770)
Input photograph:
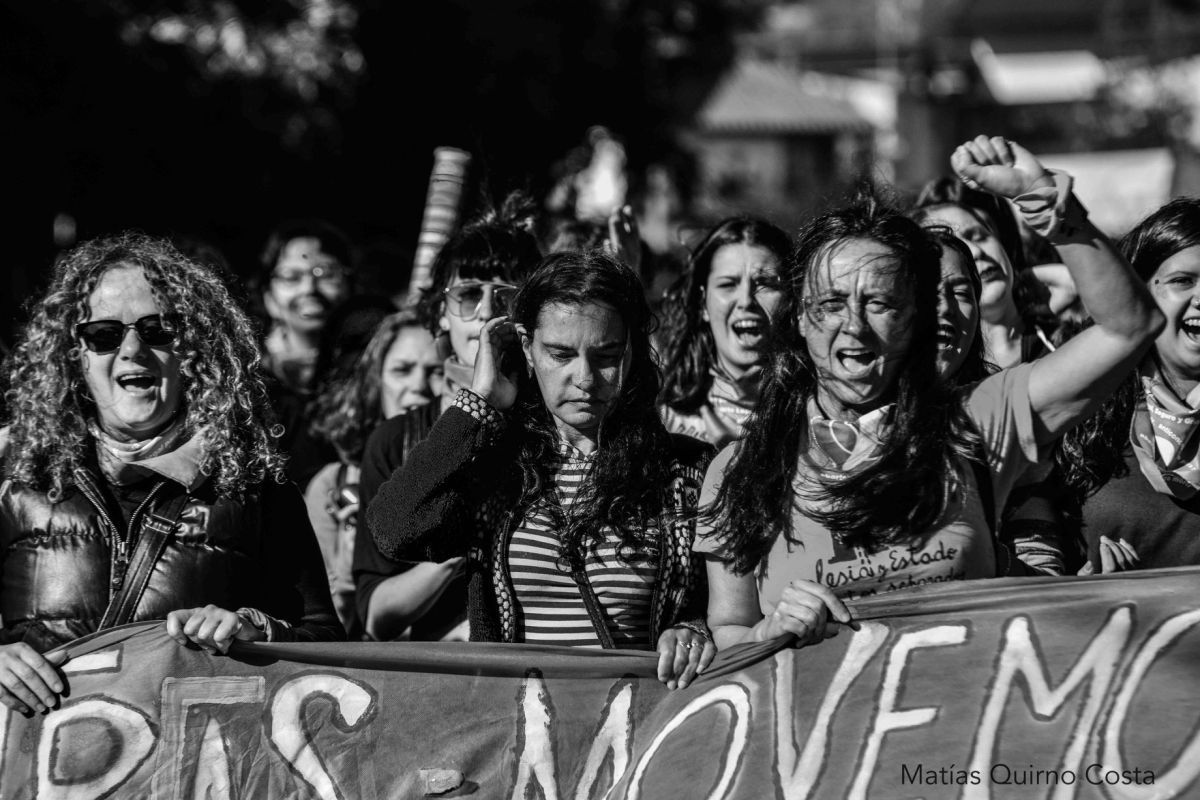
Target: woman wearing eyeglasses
point(855, 477)
point(140, 478)
point(474, 280)
point(305, 275)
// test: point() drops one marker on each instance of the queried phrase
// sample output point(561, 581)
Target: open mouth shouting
point(138, 382)
point(749, 332)
point(1191, 329)
point(947, 336)
point(856, 362)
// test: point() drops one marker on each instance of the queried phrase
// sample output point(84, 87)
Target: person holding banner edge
point(554, 474)
point(871, 491)
point(141, 481)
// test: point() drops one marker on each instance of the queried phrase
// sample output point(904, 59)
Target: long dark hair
point(626, 486)
point(689, 352)
point(1031, 298)
point(975, 366)
point(901, 495)
point(1093, 452)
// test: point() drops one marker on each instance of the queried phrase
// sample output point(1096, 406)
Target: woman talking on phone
point(554, 475)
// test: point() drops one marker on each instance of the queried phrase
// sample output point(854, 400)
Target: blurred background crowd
point(217, 119)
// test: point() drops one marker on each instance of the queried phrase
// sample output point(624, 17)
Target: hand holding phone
point(496, 375)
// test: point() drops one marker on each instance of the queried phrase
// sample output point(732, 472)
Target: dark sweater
point(458, 494)
point(386, 448)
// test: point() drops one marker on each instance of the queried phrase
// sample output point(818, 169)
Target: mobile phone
point(512, 359)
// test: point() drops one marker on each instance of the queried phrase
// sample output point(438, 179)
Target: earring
point(443, 324)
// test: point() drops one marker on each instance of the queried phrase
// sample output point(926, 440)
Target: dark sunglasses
point(465, 299)
point(106, 335)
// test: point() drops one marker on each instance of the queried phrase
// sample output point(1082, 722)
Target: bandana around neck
point(733, 402)
point(1163, 435)
point(840, 447)
point(120, 461)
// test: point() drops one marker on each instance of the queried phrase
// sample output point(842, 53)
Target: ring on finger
point(681, 643)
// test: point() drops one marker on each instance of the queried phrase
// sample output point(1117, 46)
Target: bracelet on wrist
point(1052, 211)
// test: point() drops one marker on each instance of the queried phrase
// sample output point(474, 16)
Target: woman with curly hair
point(398, 372)
point(1132, 471)
point(855, 476)
point(717, 325)
point(141, 481)
point(561, 467)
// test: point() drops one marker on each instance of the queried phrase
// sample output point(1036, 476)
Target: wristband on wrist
point(1053, 211)
point(477, 407)
point(491, 420)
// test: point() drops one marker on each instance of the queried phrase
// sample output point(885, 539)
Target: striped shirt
point(547, 598)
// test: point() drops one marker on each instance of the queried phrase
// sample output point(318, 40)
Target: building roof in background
point(1063, 76)
point(1118, 187)
point(761, 97)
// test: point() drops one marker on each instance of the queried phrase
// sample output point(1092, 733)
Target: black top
point(306, 453)
point(1164, 531)
point(459, 494)
point(383, 454)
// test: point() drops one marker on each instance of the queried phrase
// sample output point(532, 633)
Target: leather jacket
point(62, 563)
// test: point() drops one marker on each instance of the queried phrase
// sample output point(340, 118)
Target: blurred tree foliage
point(219, 117)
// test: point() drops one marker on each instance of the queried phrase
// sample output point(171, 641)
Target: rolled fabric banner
point(441, 213)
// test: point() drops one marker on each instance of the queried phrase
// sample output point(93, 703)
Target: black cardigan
point(457, 494)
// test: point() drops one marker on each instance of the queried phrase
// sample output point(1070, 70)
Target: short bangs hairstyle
point(500, 244)
point(1171, 229)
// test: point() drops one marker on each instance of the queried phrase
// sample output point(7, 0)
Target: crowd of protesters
point(548, 448)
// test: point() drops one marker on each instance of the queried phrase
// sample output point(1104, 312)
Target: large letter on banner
point(1076, 687)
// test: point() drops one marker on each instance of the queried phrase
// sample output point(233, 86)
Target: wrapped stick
point(441, 213)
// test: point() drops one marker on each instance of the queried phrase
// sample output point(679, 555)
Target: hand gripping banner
point(1034, 688)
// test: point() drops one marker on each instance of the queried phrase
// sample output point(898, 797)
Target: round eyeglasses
point(465, 299)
